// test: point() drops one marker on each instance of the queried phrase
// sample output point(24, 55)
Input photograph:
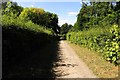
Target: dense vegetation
point(25, 30)
point(97, 28)
point(64, 29)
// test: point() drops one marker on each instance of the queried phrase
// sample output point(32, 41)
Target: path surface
point(70, 65)
point(53, 60)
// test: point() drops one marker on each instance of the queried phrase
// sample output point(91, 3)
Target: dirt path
point(70, 65)
point(54, 60)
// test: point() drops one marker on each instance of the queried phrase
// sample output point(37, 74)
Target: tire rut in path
point(70, 65)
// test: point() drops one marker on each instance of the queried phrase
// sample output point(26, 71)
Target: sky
point(66, 11)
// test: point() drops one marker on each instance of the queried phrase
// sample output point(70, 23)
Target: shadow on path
point(37, 64)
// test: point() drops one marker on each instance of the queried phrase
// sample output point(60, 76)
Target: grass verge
point(96, 62)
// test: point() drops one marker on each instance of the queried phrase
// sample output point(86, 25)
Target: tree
point(3, 6)
point(40, 17)
point(94, 14)
point(37, 15)
point(83, 17)
point(11, 8)
point(117, 9)
point(65, 28)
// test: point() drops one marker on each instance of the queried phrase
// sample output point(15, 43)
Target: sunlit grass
point(99, 66)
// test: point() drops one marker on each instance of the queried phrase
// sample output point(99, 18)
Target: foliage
point(21, 37)
point(8, 21)
point(24, 31)
point(40, 17)
point(34, 14)
point(10, 8)
point(97, 28)
point(21, 23)
point(105, 41)
point(97, 14)
point(65, 28)
point(52, 22)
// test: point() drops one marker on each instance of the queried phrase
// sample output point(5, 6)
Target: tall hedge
point(21, 38)
point(103, 40)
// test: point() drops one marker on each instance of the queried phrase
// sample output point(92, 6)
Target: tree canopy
point(37, 15)
point(97, 13)
point(65, 28)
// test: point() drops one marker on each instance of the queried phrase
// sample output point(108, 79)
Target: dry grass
point(96, 62)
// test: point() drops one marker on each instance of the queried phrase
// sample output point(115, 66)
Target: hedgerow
point(103, 40)
point(25, 29)
point(21, 37)
point(8, 21)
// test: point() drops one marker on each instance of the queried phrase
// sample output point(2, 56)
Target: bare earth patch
point(70, 65)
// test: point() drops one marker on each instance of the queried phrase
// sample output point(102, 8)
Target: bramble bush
point(103, 40)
